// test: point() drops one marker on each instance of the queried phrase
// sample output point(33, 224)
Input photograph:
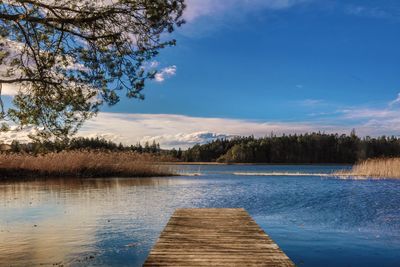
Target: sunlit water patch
point(316, 219)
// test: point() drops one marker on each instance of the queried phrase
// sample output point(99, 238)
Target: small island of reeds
point(374, 168)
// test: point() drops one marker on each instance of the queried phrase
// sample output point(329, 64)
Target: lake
point(317, 219)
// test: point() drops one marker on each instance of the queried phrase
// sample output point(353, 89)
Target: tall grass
point(82, 164)
point(377, 168)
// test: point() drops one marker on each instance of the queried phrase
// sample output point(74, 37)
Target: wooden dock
point(215, 237)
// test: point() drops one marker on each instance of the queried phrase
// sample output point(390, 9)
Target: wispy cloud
point(164, 73)
point(200, 8)
point(395, 102)
point(369, 113)
point(388, 112)
point(217, 14)
point(371, 12)
point(311, 102)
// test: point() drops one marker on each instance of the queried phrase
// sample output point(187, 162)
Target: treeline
point(80, 143)
point(304, 148)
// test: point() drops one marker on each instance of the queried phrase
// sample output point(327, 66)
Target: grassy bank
point(82, 164)
point(378, 168)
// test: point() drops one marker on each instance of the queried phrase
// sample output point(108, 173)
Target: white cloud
point(184, 131)
point(9, 89)
point(184, 140)
point(165, 72)
point(14, 134)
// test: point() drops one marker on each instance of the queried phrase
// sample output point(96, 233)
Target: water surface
point(318, 220)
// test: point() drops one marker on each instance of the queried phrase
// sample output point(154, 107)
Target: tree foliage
point(70, 56)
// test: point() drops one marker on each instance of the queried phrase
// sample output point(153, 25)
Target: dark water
point(318, 220)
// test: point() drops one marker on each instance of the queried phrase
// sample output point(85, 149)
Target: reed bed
point(82, 164)
point(375, 168)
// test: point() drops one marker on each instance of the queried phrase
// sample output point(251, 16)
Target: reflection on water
point(58, 221)
point(317, 220)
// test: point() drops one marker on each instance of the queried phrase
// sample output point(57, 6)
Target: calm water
point(316, 219)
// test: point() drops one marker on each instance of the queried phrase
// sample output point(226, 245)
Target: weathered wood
point(215, 237)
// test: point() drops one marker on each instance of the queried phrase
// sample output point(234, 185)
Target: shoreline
point(250, 164)
point(23, 174)
point(18, 174)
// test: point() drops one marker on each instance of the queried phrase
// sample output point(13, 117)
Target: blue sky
point(269, 65)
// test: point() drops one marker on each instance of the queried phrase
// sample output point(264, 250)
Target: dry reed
point(375, 168)
point(82, 164)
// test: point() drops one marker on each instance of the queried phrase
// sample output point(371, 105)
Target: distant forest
point(304, 148)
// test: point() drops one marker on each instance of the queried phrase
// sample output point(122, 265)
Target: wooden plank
point(215, 237)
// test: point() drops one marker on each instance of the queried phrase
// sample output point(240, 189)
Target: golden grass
point(375, 168)
point(82, 164)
